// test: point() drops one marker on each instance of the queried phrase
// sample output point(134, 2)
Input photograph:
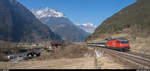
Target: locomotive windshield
point(123, 42)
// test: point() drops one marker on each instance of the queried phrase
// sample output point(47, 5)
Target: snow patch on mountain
point(47, 12)
point(88, 27)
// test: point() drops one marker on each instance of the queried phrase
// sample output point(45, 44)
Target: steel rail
point(139, 62)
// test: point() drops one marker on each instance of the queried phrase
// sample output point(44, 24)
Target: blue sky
point(81, 11)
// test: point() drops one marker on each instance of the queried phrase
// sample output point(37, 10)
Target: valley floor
point(70, 57)
point(75, 63)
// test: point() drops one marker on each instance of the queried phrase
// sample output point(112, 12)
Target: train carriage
point(121, 44)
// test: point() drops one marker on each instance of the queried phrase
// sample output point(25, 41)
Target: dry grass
point(75, 63)
point(10, 48)
point(3, 57)
point(141, 44)
point(120, 35)
point(70, 56)
point(108, 63)
point(67, 51)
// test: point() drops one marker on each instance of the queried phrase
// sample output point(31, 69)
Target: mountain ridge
point(61, 25)
point(21, 24)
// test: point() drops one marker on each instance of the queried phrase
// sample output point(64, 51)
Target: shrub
point(3, 57)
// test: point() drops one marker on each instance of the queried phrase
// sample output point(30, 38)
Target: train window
point(123, 42)
point(118, 41)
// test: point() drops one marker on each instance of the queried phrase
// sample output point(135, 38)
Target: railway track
point(145, 56)
point(131, 60)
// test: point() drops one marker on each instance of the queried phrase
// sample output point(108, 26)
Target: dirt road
point(76, 63)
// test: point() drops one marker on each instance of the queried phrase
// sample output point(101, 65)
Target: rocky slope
point(132, 20)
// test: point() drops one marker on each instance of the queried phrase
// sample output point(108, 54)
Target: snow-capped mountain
point(89, 27)
point(61, 25)
point(47, 12)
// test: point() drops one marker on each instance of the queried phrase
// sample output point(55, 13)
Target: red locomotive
point(121, 44)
